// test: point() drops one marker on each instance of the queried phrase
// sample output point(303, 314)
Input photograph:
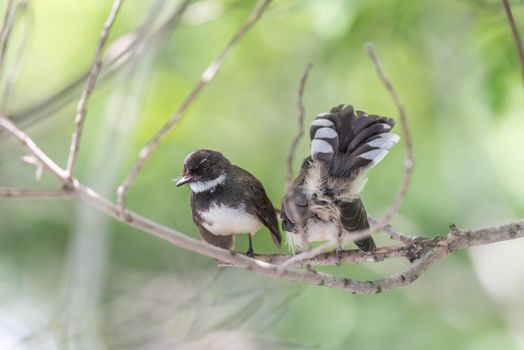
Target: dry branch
point(424, 252)
point(292, 150)
point(431, 253)
point(7, 28)
point(116, 56)
point(408, 147)
point(516, 36)
point(11, 192)
point(22, 8)
point(89, 87)
point(206, 77)
point(392, 233)
point(311, 254)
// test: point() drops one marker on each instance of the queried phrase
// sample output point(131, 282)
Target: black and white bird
point(226, 200)
point(344, 145)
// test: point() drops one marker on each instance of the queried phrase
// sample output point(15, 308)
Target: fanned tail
point(350, 143)
point(344, 145)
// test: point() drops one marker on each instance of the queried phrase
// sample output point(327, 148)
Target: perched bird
point(344, 145)
point(226, 200)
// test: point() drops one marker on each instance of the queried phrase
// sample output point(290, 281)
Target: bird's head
point(204, 170)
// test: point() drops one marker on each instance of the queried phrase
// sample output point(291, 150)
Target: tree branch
point(206, 77)
point(311, 254)
point(116, 56)
point(392, 233)
point(22, 8)
point(408, 147)
point(354, 256)
point(32, 148)
point(10, 192)
point(516, 36)
point(432, 250)
point(89, 87)
point(7, 28)
point(423, 252)
point(292, 150)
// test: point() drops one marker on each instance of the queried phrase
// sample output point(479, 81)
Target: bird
point(345, 145)
point(226, 200)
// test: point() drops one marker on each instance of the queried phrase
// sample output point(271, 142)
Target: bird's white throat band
point(203, 186)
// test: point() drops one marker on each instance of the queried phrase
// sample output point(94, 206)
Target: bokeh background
point(71, 278)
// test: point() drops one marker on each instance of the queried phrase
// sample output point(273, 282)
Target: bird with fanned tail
point(345, 145)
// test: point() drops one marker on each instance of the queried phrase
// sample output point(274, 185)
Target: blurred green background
point(73, 279)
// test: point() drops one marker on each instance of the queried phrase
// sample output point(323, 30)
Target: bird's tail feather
point(350, 143)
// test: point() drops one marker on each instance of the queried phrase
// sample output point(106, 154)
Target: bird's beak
point(184, 180)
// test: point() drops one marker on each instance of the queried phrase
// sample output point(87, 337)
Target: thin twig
point(18, 58)
point(7, 28)
point(311, 254)
point(207, 76)
point(11, 192)
point(392, 233)
point(441, 248)
point(408, 148)
point(354, 256)
point(292, 150)
point(516, 36)
point(32, 148)
point(89, 87)
point(116, 56)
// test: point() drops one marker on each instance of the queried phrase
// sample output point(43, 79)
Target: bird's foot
point(250, 252)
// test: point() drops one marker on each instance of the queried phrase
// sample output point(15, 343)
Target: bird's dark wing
point(291, 218)
point(262, 205)
point(289, 221)
point(226, 242)
point(354, 218)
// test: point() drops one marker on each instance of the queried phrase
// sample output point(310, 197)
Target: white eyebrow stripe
point(322, 122)
point(325, 133)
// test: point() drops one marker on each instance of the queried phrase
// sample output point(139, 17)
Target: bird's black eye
point(204, 168)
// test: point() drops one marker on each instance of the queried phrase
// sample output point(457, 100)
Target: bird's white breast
point(322, 231)
point(222, 220)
